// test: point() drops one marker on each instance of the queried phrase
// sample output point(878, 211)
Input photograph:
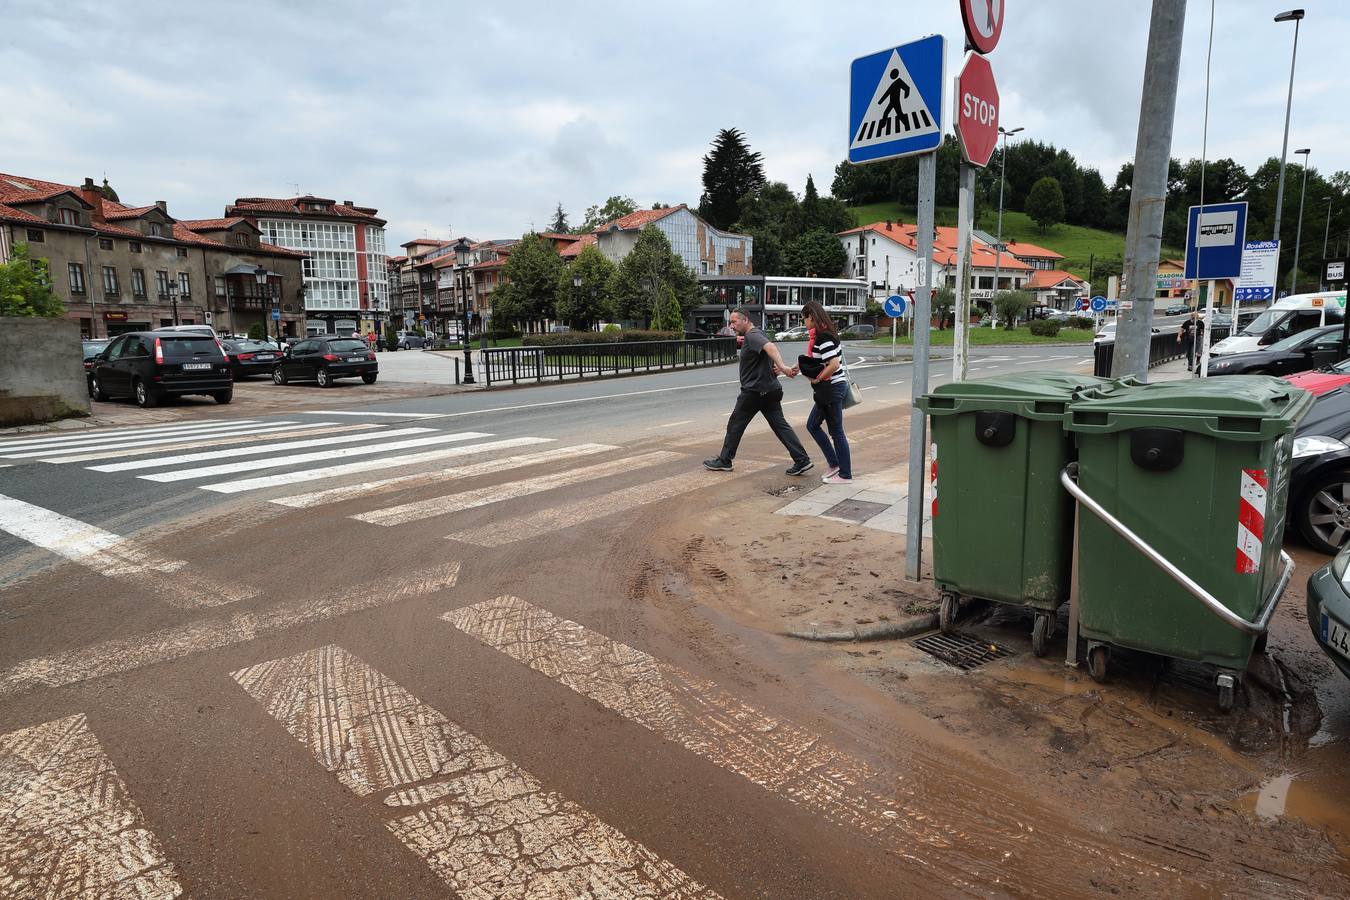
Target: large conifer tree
point(730, 171)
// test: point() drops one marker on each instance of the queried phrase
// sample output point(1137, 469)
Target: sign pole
point(892, 340)
point(918, 422)
point(1209, 329)
point(965, 224)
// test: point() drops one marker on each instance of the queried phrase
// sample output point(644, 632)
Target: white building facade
point(705, 249)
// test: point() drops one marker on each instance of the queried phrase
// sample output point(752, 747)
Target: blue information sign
point(1214, 241)
point(894, 305)
point(276, 315)
point(896, 103)
point(1099, 304)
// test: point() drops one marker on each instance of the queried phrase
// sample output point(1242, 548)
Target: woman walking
point(830, 385)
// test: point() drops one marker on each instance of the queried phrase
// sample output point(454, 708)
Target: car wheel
point(1323, 514)
point(145, 398)
point(325, 380)
point(223, 397)
point(369, 378)
point(96, 390)
point(278, 375)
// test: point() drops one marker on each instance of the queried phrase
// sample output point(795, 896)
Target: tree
point(615, 207)
point(771, 208)
point(667, 315)
point(532, 282)
point(1011, 304)
point(818, 253)
point(650, 266)
point(257, 331)
point(768, 253)
point(730, 171)
point(1045, 203)
point(26, 287)
point(944, 302)
point(590, 302)
point(559, 224)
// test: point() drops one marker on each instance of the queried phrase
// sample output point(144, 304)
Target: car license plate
point(1335, 635)
point(356, 359)
point(265, 356)
point(195, 366)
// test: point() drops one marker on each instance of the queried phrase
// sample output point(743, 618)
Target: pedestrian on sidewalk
point(1191, 334)
point(761, 364)
point(823, 364)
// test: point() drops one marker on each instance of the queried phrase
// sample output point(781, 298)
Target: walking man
point(1191, 334)
point(761, 364)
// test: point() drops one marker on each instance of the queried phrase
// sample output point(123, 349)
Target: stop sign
point(977, 110)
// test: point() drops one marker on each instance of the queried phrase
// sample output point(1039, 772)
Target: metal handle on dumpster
point(1068, 478)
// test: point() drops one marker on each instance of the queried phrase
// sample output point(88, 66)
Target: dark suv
point(149, 366)
point(325, 359)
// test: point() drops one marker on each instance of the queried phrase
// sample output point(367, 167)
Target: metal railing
point(512, 365)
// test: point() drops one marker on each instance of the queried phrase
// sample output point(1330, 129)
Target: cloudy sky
point(481, 121)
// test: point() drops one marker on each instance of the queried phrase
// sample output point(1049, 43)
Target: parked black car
point(1319, 478)
point(1328, 606)
point(149, 366)
point(1315, 348)
point(325, 359)
point(248, 358)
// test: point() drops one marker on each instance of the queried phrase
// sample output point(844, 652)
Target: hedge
point(1079, 322)
point(572, 338)
point(1044, 327)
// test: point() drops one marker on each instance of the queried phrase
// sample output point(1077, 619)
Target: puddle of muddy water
point(1318, 800)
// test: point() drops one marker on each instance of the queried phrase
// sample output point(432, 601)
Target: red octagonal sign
point(977, 110)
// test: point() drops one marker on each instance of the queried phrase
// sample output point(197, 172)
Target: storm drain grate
point(961, 650)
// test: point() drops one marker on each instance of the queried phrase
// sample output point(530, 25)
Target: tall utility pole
point(1298, 233)
point(918, 419)
point(965, 217)
point(1148, 193)
point(1295, 16)
point(998, 235)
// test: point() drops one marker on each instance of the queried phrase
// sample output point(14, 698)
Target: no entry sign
point(984, 23)
point(977, 110)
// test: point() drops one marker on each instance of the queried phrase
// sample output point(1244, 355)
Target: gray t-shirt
point(756, 368)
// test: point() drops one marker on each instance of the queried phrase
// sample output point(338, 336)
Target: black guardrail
point(512, 365)
point(1163, 347)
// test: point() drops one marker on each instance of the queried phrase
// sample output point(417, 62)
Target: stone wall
point(41, 371)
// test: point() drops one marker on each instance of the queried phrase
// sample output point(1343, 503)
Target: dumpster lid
point(1274, 403)
point(1034, 395)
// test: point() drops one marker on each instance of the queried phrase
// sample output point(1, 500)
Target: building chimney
point(346, 203)
point(888, 224)
point(163, 206)
point(94, 197)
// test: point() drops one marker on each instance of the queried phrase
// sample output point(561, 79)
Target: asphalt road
point(406, 650)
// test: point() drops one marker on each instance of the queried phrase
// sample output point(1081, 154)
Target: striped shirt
point(825, 347)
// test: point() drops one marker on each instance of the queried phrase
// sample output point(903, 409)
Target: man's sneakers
point(717, 464)
point(800, 468)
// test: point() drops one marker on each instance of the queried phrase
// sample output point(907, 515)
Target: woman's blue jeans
point(833, 445)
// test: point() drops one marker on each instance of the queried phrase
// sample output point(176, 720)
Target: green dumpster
point(1002, 525)
point(1199, 472)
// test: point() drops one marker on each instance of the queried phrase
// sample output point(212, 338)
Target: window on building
point(105, 243)
point(67, 217)
point(110, 287)
point(184, 284)
point(76, 278)
point(156, 229)
point(134, 246)
point(239, 240)
point(162, 283)
point(36, 236)
point(182, 253)
point(220, 286)
point(138, 282)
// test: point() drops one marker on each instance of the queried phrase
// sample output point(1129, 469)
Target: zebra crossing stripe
point(120, 655)
point(393, 415)
point(274, 462)
point(253, 450)
point(383, 485)
point(114, 556)
point(367, 465)
point(62, 454)
point(68, 826)
point(101, 438)
point(104, 433)
point(439, 506)
point(485, 826)
point(271, 433)
point(1251, 520)
point(556, 518)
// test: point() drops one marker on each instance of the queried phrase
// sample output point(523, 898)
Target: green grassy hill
point(1074, 241)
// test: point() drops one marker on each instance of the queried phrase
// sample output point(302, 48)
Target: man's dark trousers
point(771, 405)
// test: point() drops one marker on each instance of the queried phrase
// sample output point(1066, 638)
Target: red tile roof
point(575, 248)
point(639, 219)
point(560, 235)
point(1030, 251)
point(1048, 278)
point(290, 206)
point(944, 245)
point(212, 224)
point(11, 192)
point(116, 211)
point(10, 214)
point(491, 263)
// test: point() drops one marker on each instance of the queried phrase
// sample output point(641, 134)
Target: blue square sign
point(1215, 237)
point(896, 101)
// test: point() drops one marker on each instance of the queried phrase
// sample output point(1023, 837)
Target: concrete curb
point(889, 631)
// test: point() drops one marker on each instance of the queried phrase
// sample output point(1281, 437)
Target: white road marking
point(114, 556)
point(488, 828)
point(167, 644)
point(894, 383)
point(395, 415)
point(6, 466)
point(100, 440)
point(683, 387)
point(60, 454)
point(498, 493)
point(271, 433)
point(556, 518)
point(274, 462)
point(255, 449)
point(383, 485)
point(673, 424)
point(68, 826)
point(119, 433)
point(802, 400)
point(368, 465)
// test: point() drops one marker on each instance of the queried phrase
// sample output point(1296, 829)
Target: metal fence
point(1163, 347)
point(512, 365)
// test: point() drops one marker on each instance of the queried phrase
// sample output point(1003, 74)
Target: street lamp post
point(998, 238)
point(1295, 16)
point(462, 248)
point(1326, 239)
point(1298, 239)
point(260, 276)
point(173, 299)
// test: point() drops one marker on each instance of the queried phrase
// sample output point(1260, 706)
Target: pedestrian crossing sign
point(895, 101)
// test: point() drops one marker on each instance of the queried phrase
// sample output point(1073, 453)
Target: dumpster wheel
point(948, 606)
point(1097, 658)
point(1227, 684)
point(1041, 632)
